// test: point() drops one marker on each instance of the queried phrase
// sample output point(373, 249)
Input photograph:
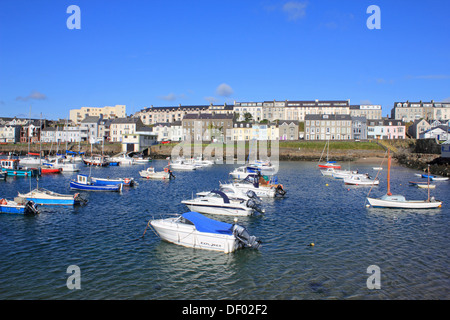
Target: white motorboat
point(150, 173)
point(194, 230)
point(253, 183)
point(140, 160)
point(360, 180)
point(65, 166)
point(181, 165)
point(31, 160)
point(398, 201)
point(240, 173)
point(217, 202)
point(328, 171)
point(262, 167)
point(234, 193)
point(122, 158)
point(341, 174)
point(202, 162)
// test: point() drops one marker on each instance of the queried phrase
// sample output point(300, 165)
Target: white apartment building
point(167, 131)
point(123, 126)
point(107, 112)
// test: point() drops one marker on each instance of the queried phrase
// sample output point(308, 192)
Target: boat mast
point(389, 175)
point(428, 183)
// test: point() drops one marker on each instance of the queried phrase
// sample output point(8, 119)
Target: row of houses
point(432, 129)
point(261, 111)
point(210, 127)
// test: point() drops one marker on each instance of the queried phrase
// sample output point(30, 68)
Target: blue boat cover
point(204, 224)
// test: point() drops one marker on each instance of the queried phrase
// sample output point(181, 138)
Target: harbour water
point(104, 239)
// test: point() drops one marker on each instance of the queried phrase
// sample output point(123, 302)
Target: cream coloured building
point(410, 111)
point(108, 112)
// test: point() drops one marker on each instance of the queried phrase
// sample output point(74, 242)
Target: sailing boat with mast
point(398, 201)
point(328, 164)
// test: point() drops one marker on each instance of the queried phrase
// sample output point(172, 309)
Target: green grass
point(334, 145)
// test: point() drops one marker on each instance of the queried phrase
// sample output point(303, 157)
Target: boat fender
point(15, 173)
point(126, 180)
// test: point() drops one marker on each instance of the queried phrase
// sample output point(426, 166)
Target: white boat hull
point(262, 192)
point(219, 209)
point(186, 235)
point(182, 167)
point(156, 175)
point(411, 204)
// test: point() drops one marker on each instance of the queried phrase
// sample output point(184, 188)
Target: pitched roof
point(328, 117)
point(207, 116)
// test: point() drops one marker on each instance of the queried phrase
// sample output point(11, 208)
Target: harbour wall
point(414, 154)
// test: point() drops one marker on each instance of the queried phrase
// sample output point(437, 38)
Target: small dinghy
point(191, 229)
point(18, 207)
point(43, 196)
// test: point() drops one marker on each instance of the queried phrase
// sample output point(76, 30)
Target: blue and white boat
point(12, 168)
point(42, 196)
point(13, 207)
point(85, 183)
point(194, 230)
point(127, 182)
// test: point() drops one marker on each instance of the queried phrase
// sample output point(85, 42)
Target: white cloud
point(34, 95)
point(224, 90)
point(295, 10)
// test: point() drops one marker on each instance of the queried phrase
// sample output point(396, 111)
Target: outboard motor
point(280, 191)
point(77, 197)
point(31, 207)
point(245, 239)
point(254, 205)
point(252, 195)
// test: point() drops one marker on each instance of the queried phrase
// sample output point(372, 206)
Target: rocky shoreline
point(420, 161)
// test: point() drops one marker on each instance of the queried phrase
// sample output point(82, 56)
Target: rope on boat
point(148, 223)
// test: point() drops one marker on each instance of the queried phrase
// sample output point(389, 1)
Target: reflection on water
point(104, 238)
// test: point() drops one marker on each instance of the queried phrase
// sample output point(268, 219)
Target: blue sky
point(163, 53)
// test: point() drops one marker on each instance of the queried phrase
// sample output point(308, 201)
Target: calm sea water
point(104, 238)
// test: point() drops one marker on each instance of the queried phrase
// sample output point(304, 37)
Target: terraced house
point(328, 127)
point(207, 127)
